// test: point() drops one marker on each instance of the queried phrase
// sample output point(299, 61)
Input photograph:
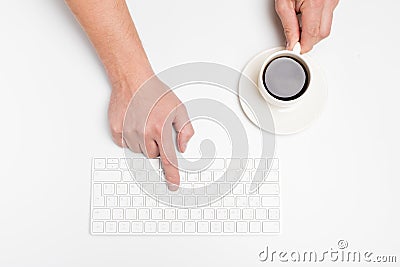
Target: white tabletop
point(340, 177)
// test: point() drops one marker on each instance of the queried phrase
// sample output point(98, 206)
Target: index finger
point(168, 157)
point(311, 23)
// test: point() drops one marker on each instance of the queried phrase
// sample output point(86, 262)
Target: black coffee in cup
point(286, 78)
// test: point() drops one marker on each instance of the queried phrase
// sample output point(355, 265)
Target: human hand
point(316, 16)
point(147, 128)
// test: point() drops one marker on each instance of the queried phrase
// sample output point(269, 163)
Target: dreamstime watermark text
point(341, 253)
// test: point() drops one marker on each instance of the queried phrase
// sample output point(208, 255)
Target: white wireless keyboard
point(138, 202)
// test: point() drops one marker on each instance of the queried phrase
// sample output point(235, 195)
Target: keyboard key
point(270, 201)
point(238, 189)
point(247, 214)
point(255, 227)
point(148, 188)
point(217, 203)
point(111, 227)
point(186, 189)
point(97, 227)
point(112, 163)
point(212, 189)
point(233, 175)
point(273, 214)
point(144, 214)
point(98, 201)
point(156, 214)
point(137, 164)
point(163, 227)
point(216, 227)
point(229, 201)
point(195, 214)
point(97, 190)
point(183, 214)
point(234, 214)
point(118, 214)
point(130, 214)
point(199, 190)
point(160, 188)
point(206, 176)
point(272, 176)
point(190, 227)
point(108, 189)
point(241, 201)
point(203, 200)
point(152, 164)
point(202, 227)
point(134, 189)
point(176, 227)
point(217, 164)
point(169, 214)
point(127, 176)
point(125, 164)
point(261, 214)
point(219, 176)
point(107, 176)
point(101, 214)
point(208, 214)
point(190, 201)
point(247, 176)
point(261, 164)
point(222, 214)
point(150, 202)
point(99, 164)
point(273, 164)
point(193, 177)
point(247, 164)
point(234, 164)
point(112, 201)
point(140, 176)
point(150, 227)
point(241, 227)
point(137, 201)
point(229, 227)
point(125, 201)
point(269, 189)
point(122, 189)
point(254, 201)
point(270, 227)
point(177, 201)
point(137, 227)
point(154, 176)
point(164, 201)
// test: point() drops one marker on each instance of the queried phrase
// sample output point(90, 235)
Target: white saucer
point(287, 120)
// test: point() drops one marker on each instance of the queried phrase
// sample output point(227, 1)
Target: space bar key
point(107, 176)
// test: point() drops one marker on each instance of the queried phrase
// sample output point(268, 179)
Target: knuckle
point(313, 31)
point(325, 33)
point(317, 3)
point(165, 162)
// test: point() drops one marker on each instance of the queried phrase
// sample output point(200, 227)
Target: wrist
point(129, 76)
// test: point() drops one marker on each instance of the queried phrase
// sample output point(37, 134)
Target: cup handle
point(297, 48)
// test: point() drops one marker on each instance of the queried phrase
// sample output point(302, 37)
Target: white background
point(340, 177)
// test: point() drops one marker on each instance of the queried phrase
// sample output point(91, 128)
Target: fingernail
point(172, 187)
point(287, 45)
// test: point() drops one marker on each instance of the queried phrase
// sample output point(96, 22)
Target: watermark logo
point(164, 84)
point(338, 254)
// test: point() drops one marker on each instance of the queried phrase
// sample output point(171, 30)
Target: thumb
point(183, 127)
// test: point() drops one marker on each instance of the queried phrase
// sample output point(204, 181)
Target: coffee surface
point(285, 78)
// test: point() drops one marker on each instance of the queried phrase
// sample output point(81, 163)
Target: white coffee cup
point(302, 62)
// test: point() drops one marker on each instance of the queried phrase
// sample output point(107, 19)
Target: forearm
point(112, 32)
